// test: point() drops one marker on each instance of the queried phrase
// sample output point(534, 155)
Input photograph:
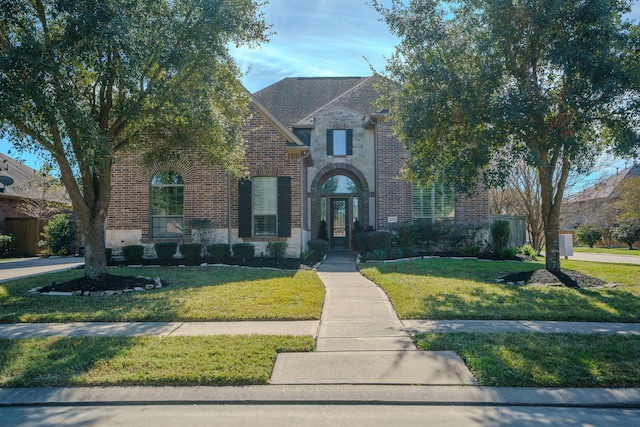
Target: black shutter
point(329, 142)
point(244, 208)
point(349, 142)
point(284, 206)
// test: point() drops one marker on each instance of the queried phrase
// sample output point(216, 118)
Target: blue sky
point(316, 38)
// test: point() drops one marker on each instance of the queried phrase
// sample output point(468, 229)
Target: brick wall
point(8, 209)
point(205, 185)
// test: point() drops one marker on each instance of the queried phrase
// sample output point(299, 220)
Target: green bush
point(500, 233)
point(627, 232)
point(243, 250)
point(277, 249)
point(165, 250)
point(133, 252)
point(318, 249)
point(378, 240)
point(60, 235)
point(377, 254)
point(361, 241)
point(529, 251)
point(323, 234)
point(7, 245)
point(588, 235)
point(219, 251)
point(191, 251)
point(508, 253)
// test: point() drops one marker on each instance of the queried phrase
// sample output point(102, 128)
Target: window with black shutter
point(340, 142)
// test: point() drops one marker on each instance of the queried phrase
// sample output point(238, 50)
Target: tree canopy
point(86, 79)
point(482, 83)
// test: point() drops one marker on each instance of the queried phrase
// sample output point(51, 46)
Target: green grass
point(467, 289)
point(544, 360)
point(217, 360)
point(193, 294)
point(612, 251)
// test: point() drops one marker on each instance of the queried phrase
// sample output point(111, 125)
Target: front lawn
point(192, 294)
point(120, 361)
point(612, 251)
point(467, 289)
point(544, 360)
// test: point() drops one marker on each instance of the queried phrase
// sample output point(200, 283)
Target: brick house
point(319, 149)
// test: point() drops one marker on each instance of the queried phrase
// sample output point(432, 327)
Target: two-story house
point(319, 149)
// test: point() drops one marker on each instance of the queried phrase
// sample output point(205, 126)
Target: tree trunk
point(94, 246)
point(552, 248)
point(550, 204)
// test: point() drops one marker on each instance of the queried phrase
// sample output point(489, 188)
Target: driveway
point(26, 267)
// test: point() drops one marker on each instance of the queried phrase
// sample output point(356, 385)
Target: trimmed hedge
point(7, 245)
point(191, 250)
point(277, 249)
point(219, 251)
point(165, 250)
point(378, 240)
point(133, 252)
point(243, 250)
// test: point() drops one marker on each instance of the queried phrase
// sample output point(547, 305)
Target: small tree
point(59, 235)
point(628, 232)
point(500, 235)
point(588, 235)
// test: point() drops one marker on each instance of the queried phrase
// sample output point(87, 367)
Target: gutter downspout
point(229, 209)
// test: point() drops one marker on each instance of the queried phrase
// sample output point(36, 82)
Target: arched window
point(167, 205)
point(339, 184)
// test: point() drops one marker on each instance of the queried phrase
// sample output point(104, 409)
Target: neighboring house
point(595, 205)
point(317, 149)
point(14, 220)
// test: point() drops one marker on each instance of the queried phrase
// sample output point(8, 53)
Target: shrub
point(59, 235)
point(500, 233)
point(243, 250)
point(318, 249)
point(219, 251)
point(191, 251)
point(377, 254)
point(277, 249)
point(357, 229)
point(628, 232)
point(133, 252)
point(323, 234)
point(529, 251)
point(165, 250)
point(588, 235)
point(361, 243)
point(7, 245)
point(378, 240)
point(508, 253)
point(108, 254)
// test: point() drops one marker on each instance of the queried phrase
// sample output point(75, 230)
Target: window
point(434, 203)
point(339, 142)
point(264, 207)
point(167, 205)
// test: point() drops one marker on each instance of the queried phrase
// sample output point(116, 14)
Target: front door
point(339, 223)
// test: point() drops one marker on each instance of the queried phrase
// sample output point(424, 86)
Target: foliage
point(203, 231)
point(378, 240)
point(84, 81)
point(322, 230)
point(530, 251)
point(108, 254)
point(45, 195)
point(629, 197)
point(318, 248)
point(219, 251)
point(508, 253)
point(628, 232)
point(59, 235)
point(7, 245)
point(191, 250)
point(165, 250)
point(588, 235)
point(500, 234)
point(469, 240)
point(243, 250)
point(277, 249)
point(476, 85)
point(133, 252)
point(357, 229)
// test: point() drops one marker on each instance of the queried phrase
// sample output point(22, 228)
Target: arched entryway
point(340, 204)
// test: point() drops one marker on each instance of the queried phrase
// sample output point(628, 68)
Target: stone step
point(372, 367)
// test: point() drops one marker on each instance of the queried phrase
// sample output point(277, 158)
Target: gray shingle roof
point(293, 100)
point(21, 175)
point(606, 188)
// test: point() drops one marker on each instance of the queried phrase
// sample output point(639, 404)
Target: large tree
point(482, 83)
point(86, 79)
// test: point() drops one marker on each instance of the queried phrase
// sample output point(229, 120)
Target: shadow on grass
point(543, 360)
point(193, 293)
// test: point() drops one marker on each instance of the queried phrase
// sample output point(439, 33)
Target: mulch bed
point(568, 278)
point(111, 283)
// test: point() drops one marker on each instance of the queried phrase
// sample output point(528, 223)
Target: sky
point(318, 38)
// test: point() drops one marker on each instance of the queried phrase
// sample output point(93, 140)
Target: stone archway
point(355, 202)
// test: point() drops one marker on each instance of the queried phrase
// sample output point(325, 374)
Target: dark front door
point(339, 223)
